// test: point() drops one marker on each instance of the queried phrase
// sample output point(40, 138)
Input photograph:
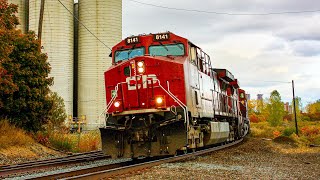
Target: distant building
point(248, 96)
point(259, 96)
point(288, 107)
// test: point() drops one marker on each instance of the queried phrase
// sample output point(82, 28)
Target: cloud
point(306, 47)
point(300, 28)
point(256, 49)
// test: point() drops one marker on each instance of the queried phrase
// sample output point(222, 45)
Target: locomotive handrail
point(110, 102)
point(174, 95)
point(185, 108)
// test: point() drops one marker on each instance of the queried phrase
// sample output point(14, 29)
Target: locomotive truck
point(164, 96)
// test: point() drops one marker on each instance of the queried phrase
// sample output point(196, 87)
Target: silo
point(104, 19)
point(57, 42)
point(22, 13)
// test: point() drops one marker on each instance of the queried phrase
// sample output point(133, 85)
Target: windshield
point(169, 49)
point(128, 54)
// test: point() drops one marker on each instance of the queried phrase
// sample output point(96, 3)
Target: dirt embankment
point(30, 152)
point(252, 159)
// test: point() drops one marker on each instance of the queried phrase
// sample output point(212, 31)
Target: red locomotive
point(163, 96)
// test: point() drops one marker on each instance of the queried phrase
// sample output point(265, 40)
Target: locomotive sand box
point(163, 97)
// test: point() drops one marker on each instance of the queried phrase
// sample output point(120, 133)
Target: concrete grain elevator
point(57, 43)
point(104, 19)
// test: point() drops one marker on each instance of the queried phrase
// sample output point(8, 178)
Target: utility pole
point(40, 22)
point(294, 108)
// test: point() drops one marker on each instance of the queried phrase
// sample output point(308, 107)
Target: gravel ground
point(33, 152)
point(252, 159)
point(68, 168)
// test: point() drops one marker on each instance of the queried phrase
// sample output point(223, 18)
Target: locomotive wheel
point(185, 151)
point(176, 153)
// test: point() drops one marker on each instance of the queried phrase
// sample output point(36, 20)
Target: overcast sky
point(255, 49)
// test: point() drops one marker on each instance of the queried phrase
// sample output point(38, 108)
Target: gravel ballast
point(252, 159)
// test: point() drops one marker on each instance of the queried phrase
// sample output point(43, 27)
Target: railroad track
point(29, 167)
point(112, 170)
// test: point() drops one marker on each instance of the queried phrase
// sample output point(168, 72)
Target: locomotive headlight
point(117, 104)
point(159, 100)
point(140, 64)
point(140, 69)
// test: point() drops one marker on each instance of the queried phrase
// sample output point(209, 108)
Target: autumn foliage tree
point(7, 86)
point(275, 108)
point(257, 110)
point(313, 110)
point(24, 82)
point(271, 109)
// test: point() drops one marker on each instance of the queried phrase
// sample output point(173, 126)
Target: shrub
point(89, 141)
point(71, 142)
point(310, 130)
point(288, 131)
point(276, 134)
point(263, 130)
point(253, 118)
point(42, 138)
point(61, 142)
point(57, 113)
point(288, 117)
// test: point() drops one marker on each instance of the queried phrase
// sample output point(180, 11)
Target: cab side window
point(199, 60)
point(192, 55)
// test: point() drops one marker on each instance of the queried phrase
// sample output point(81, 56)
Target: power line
point(84, 25)
point(284, 82)
point(226, 13)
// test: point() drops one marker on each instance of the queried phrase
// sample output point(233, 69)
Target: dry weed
point(12, 136)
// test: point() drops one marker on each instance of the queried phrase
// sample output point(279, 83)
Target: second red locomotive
point(164, 96)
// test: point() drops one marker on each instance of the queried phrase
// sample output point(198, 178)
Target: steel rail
point(9, 170)
point(113, 170)
point(94, 169)
point(49, 160)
